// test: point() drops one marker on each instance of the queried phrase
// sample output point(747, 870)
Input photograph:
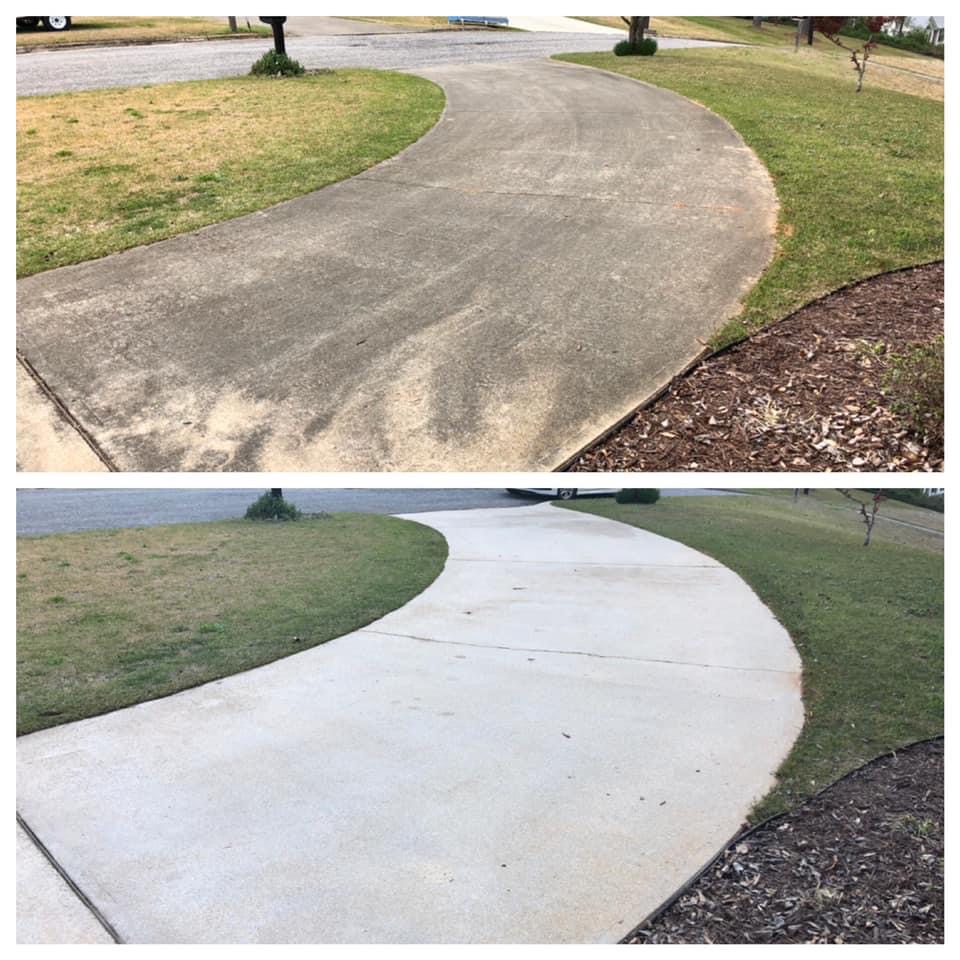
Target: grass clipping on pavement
point(859, 176)
point(105, 170)
point(867, 622)
point(110, 618)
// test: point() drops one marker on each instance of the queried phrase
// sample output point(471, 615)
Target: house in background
point(932, 26)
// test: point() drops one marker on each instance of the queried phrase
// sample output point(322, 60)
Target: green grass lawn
point(104, 170)
point(859, 176)
point(85, 30)
point(110, 618)
point(867, 622)
point(730, 29)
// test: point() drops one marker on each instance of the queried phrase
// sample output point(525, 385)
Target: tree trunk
point(233, 24)
point(809, 31)
point(637, 27)
point(276, 493)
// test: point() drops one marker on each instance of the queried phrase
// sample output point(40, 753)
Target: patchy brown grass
point(114, 617)
point(85, 30)
point(104, 170)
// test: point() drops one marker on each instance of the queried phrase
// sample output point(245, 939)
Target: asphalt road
point(64, 511)
point(88, 68)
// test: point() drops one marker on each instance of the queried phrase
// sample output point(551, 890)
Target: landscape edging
point(749, 831)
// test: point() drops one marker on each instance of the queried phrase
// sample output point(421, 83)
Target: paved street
point(64, 511)
point(53, 71)
point(540, 747)
point(555, 250)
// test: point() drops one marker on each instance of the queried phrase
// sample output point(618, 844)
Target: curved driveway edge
point(540, 747)
point(493, 298)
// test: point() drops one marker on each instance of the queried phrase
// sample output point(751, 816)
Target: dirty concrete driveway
point(540, 747)
point(492, 298)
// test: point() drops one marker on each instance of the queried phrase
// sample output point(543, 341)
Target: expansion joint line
point(66, 413)
point(70, 882)
point(537, 195)
point(577, 653)
point(591, 563)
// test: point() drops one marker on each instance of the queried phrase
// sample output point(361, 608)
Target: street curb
point(86, 45)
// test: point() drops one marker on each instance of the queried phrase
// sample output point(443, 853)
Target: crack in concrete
point(68, 880)
point(579, 653)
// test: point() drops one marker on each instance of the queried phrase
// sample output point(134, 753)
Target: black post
point(810, 31)
point(276, 493)
point(276, 23)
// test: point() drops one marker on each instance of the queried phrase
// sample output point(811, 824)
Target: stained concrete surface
point(539, 748)
point(45, 440)
point(493, 298)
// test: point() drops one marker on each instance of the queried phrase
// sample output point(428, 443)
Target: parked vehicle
point(562, 493)
point(56, 24)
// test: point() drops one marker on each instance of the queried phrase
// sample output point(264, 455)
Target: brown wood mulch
point(862, 862)
point(805, 394)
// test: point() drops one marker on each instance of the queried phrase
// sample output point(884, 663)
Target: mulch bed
point(804, 394)
point(862, 862)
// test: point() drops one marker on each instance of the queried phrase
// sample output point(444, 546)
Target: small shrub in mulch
point(844, 384)
point(914, 383)
point(861, 862)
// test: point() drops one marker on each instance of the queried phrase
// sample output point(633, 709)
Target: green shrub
point(647, 47)
point(914, 382)
point(269, 507)
point(635, 495)
point(273, 64)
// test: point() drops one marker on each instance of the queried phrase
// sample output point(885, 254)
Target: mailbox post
point(276, 24)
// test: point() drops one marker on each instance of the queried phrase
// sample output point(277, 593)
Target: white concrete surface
point(48, 911)
point(540, 747)
point(561, 25)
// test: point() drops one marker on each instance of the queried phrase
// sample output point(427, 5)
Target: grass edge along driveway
point(101, 171)
point(109, 618)
point(867, 622)
point(859, 176)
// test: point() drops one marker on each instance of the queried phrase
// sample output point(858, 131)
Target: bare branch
point(870, 518)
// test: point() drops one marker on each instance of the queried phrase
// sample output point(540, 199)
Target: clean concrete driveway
point(540, 747)
point(556, 249)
